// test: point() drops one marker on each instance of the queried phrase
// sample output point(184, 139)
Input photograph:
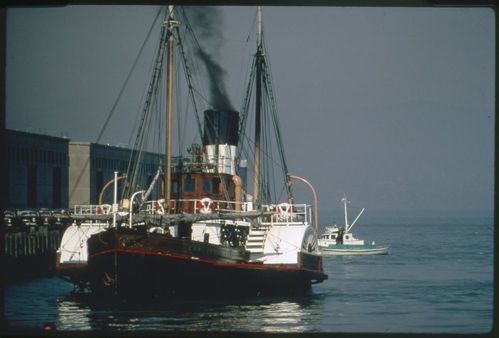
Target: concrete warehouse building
point(93, 165)
point(53, 172)
point(37, 170)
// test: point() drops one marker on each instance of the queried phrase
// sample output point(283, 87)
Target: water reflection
point(72, 315)
point(285, 317)
point(85, 312)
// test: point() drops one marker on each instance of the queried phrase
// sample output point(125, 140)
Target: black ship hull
point(155, 266)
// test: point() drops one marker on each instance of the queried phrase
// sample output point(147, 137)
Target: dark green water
point(437, 278)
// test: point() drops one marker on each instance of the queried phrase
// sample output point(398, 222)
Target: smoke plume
point(208, 25)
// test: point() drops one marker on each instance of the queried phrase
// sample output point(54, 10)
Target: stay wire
point(128, 77)
point(115, 104)
point(151, 99)
point(189, 79)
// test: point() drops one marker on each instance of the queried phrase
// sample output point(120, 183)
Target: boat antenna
point(258, 104)
point(170, 25)
point(345, 202)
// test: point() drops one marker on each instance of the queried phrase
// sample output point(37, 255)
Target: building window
point(31, 186)
point(99, 182)
point(149, 180)
point(56, 187)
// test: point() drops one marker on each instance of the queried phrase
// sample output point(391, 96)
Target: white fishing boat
point(341, 241)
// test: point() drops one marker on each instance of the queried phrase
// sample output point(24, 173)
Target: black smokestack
point(208, 24)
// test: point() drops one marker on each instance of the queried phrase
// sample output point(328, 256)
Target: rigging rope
point(127, 78)
point(135, 164)
point(189, 80)
point(115, 104)
point(275, 118)
point(269, 116)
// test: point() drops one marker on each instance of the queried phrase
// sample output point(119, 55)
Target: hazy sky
point(393, 106)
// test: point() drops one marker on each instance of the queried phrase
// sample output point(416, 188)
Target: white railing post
point(115, 198)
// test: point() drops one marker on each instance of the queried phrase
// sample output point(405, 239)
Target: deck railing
point(196, 206)
point(92, 209)
point(283, 213)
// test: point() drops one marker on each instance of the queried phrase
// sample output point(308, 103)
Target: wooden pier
point(31, 252)
point(32, 242)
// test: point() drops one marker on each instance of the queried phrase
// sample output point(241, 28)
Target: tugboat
point(340, 240)
point(205, 236)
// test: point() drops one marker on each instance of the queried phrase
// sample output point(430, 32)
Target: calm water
point(437, 278)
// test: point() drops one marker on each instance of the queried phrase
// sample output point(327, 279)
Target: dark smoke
point(208, 25)
point(219, 97)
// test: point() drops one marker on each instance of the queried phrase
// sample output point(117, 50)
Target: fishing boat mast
point(345, 201)
point(348, 227)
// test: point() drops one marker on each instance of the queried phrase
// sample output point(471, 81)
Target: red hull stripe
point(280, 267)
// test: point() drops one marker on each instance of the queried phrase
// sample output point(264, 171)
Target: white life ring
point(104, 209)
point(158, 207)
point(206, 206)
point(156, 230)
point(284, 209)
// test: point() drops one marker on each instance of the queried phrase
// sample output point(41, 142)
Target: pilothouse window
point(216, 185)
point(211, 185)
point(189, 184)
point(207, 185)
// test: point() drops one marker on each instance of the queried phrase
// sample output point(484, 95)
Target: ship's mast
point(171, 23)
point(258, 104)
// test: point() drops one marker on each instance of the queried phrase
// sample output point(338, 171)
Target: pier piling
point(31, 251)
